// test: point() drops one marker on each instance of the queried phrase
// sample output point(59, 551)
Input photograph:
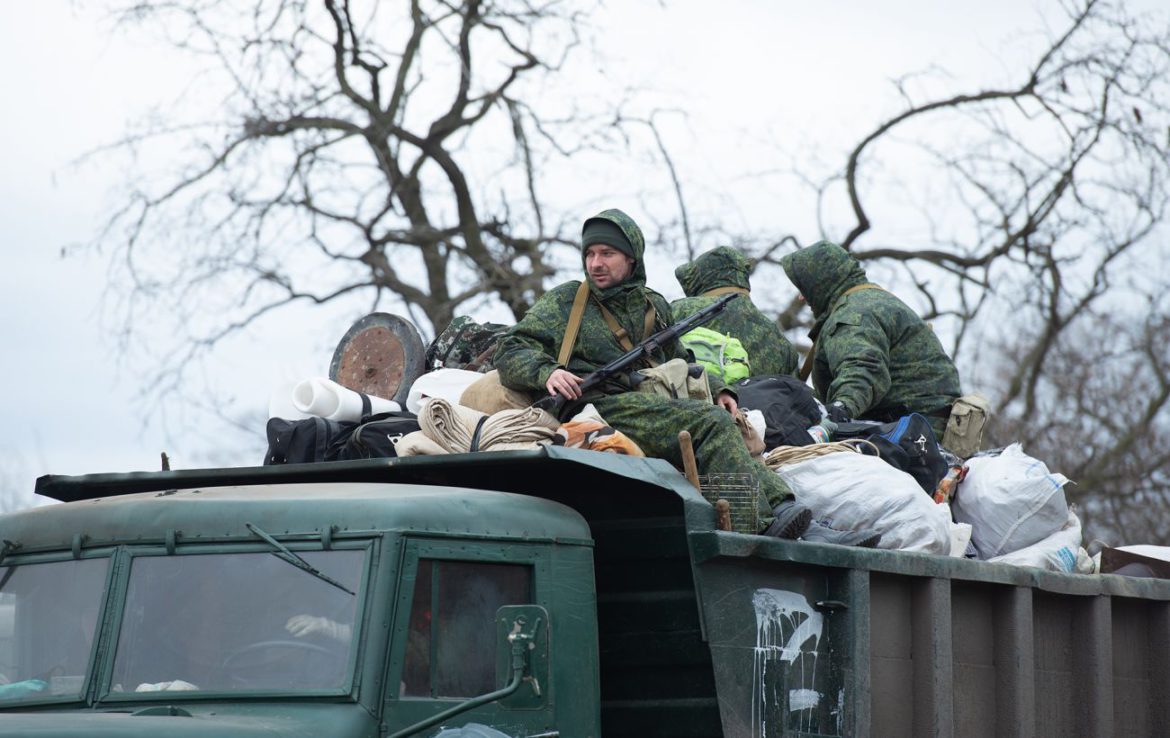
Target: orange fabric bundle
point(595, 436)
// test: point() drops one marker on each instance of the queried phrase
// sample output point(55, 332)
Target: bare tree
point(389, 153)
point(1102, 419)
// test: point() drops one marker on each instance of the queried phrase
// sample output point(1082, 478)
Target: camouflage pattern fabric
point(873, 353)
point(525, 358)
point(462, 342)
point(769, 352)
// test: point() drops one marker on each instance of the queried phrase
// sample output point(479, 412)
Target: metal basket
point(742, 493)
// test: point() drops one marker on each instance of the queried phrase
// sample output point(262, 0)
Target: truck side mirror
point(522, 644)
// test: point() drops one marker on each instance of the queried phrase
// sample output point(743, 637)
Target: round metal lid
point(380, 355)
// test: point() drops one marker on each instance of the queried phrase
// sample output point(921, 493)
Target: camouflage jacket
point(873, 353)
point(527, 354)
point(769, 352)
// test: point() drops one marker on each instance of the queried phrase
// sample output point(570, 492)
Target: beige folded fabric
point(487, 395)
point(452, 427)
point(418, 444)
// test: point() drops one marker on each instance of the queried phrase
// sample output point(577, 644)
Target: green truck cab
point(531, 594)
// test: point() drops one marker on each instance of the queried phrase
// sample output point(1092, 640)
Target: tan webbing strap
point(574, 325)
point(725, 291)
point(806, 367)
point(622, 335)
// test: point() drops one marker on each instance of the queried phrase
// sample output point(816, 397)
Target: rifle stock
point(557, 404)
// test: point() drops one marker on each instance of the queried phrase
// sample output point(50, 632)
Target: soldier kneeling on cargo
point(620, 311)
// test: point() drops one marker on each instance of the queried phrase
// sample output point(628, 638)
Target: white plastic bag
point(1011, 501)
point(850, 491)
point(1060, 551)
point(446, 383)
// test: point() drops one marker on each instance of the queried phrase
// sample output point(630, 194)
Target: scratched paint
point(788, 631)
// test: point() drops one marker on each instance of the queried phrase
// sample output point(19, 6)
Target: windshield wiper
point(283, 553)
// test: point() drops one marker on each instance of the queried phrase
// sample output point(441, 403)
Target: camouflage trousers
point(653, 422)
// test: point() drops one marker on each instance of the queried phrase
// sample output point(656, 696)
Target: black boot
point(792, 519)
point(820, 533)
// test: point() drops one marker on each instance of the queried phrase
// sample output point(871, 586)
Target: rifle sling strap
point(730, 289)
point(577, 312)
point(574, 325)
point(806, 367)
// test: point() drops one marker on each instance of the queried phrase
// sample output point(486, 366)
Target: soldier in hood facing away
point(874, 358)
point(612, 252)
point(720, 271)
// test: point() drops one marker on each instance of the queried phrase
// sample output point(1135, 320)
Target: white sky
point(765, 73)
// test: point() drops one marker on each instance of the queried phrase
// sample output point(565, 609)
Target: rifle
point(556, 404)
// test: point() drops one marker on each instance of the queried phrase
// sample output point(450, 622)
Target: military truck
point(532, 594)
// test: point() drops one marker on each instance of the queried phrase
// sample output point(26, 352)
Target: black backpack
point(908, 443)
point(378, 436)
point(788, 406)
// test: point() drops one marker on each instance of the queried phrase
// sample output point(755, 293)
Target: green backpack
point(721, 355)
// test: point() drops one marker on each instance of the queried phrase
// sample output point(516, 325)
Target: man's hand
point(726, 400)
point(838, 413)
point(564, 383)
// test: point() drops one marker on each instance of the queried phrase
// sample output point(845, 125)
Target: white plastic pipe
point(328, 399)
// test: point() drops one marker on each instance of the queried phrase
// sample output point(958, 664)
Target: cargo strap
point(806, 367)
point(725, 291)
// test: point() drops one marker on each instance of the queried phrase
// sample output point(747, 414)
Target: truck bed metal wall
point(812, 640)
point(656, 675)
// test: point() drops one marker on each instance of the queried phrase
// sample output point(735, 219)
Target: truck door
point(445, 645)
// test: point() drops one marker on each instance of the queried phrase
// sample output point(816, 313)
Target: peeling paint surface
point(788, 632)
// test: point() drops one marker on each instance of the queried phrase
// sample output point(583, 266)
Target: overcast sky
point(793, 73)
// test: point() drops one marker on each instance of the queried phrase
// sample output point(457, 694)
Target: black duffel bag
point(306, 440)
point(908, 443)
point(310, 440)
point(788, 406)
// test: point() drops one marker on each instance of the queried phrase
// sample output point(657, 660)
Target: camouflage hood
point(822, 272)
point(637, 278)
point(719, 267)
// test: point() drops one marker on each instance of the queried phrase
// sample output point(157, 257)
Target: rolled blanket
point(527, 426)
point(452, 427)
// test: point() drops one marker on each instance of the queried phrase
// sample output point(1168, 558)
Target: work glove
point(303, 625)
point(838, 413)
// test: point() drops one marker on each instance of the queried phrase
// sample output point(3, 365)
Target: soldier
point(717, 272)
point(873, 357)
point(612, 250)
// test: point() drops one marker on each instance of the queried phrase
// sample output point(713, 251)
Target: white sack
point(850, 491)
point(1060, 551)
point(448, 384)
point(328, 399)
point(756, 419)
point(1010, 500)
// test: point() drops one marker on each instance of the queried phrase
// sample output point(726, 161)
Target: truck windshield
point(237, 622)
point(48, 615)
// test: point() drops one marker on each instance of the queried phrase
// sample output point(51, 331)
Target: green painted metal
point(658, 624)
